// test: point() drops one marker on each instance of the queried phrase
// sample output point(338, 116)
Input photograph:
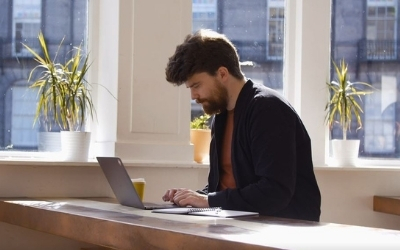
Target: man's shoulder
point(259, 90)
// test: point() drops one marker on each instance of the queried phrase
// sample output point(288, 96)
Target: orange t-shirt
point(227, 179)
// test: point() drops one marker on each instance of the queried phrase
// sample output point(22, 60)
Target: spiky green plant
point(63, 91)
point(200, 122)
point(345, 99)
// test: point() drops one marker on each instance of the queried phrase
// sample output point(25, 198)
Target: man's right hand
point(185, 197)
point(169, 195)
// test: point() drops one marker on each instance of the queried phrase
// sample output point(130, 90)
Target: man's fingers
point(169, 195)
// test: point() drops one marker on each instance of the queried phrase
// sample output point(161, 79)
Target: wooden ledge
point(387, 204)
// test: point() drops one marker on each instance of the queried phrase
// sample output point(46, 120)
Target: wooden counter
point(387, 204)
point(104, 223)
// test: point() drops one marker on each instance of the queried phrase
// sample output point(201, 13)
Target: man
point(260, 152)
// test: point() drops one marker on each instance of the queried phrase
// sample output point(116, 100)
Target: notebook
point(121, 184)
point(213, 211)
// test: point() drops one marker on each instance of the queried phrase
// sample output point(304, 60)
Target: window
point(276, 18)
point(57, 20)
point(371, 53)
point(256, 28)
point(22, 113)
point(26, 23)
point(381, 29)
point(204, 14)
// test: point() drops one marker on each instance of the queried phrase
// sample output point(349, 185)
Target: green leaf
point(63, 91)
point(200, 122)
point(345, 98)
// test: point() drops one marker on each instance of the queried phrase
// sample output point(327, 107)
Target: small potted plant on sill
point(200, 137)
point(345, 104)
point(64, 97)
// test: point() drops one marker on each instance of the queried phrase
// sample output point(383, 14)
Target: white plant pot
point(49, 142)
point(75, 145)
point(345, 152)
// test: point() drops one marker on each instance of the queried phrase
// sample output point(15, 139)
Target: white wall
point(347, 195)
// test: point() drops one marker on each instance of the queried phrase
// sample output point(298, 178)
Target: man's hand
point(185, 197)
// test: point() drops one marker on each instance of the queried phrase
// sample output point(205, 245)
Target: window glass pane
point(391, 12)
point(20, 22)
point(381, 12)
point(390, 30)
point(272, 13)
point(371, 51)
point(281, 12)
point(257, 30)
point(371, 12)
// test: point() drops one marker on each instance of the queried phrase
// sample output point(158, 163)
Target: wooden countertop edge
point(108, 233)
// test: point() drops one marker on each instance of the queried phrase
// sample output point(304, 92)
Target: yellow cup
point(139, 184)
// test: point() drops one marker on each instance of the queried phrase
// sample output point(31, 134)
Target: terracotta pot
point(201, 138)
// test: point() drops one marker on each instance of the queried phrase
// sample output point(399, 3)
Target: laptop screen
point(120, 181)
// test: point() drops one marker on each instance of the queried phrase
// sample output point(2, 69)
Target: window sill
point(51, 159)
point(365, 164)
point(35, 161)
point(357, 168)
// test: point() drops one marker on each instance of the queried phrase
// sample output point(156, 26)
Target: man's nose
point(193, 94)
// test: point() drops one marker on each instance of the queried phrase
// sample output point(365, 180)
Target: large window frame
point(306, 68)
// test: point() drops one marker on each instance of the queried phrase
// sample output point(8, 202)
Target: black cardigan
point(271, 158)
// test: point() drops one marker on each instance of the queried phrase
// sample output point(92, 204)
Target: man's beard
point(216, 103)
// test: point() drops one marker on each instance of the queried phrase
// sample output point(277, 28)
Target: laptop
point(122, 186)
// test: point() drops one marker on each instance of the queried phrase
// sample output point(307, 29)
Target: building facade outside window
point(276, 24)
point(26, 22)
point(204, 14)
point(381, 30)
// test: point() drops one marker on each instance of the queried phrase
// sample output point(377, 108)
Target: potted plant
point(343, 106)
point(200, 137)
point(64, 97)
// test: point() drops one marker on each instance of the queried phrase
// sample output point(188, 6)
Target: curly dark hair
point(203, 51)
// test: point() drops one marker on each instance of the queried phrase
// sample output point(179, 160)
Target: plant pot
point(49, 142)
point(75, 145)
point(201, 138)
point(345, 152)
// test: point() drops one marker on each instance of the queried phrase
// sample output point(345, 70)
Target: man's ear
point(223, 73)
